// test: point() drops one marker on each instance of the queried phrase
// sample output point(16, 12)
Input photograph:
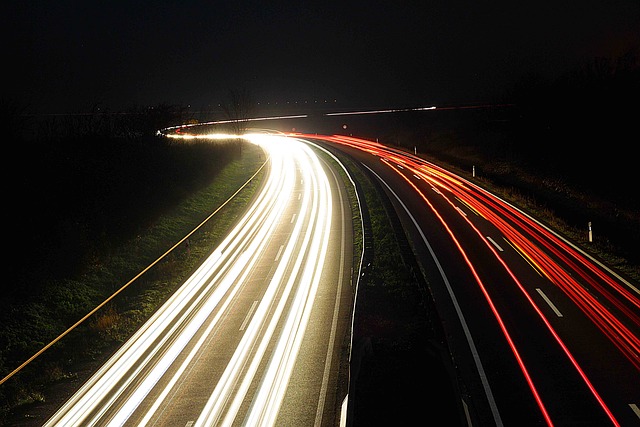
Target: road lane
point(261, 319)
point(519, 362)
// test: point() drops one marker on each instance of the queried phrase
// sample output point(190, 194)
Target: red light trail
point(585, 282)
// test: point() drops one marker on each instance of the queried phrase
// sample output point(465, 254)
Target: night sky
point(72, 56)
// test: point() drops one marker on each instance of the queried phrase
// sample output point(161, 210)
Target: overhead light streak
point(400, 110)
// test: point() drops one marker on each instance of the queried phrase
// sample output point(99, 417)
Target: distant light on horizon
point(176, 129)
point(349, 113)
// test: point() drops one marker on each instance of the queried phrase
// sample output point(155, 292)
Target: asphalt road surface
point(256, 336)
point(540, 332)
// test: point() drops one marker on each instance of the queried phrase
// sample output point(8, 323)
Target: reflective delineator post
point(590, 233)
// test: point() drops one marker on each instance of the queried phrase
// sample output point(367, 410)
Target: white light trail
point(312, 252)
point(117, 390)
point(352, 113)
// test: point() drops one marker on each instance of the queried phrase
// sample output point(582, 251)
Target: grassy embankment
point(398, 342)
point(564, 208)
point(41, 302)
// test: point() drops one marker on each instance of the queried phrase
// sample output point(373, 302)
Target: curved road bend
point(541, 333)
point(256, 335)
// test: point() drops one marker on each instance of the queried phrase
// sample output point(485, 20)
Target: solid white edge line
point(463, 322)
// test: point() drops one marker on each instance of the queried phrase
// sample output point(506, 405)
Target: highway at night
point(540, 332)
point(256, 334)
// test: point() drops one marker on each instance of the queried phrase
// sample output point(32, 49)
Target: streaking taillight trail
point(587, 283)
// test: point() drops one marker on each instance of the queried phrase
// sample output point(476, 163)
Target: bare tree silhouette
point(237, 108)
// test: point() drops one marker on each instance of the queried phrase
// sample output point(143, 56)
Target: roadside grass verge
point(74, 357)
point(564, 209)
point(398, 343)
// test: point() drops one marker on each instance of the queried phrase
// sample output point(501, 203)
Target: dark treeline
point(579, 128)
point(582, 125)
point(83, 184)
point(569, 143)
point(78, 188)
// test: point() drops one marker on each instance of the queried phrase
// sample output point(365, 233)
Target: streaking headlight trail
point(134, 385)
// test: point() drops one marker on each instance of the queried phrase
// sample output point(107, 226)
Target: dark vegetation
point(564, 149)
point(94, 202)
point(90, 182)
point(399, 352)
